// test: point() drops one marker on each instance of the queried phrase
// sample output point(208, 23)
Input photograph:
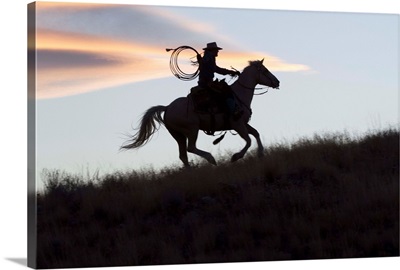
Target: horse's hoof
point(213, 162)
point(235, 157)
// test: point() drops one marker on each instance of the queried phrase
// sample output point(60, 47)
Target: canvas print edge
point(32, 218)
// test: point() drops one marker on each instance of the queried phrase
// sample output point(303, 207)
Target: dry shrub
point(327, 197)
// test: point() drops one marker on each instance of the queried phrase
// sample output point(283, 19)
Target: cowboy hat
point(212, 46)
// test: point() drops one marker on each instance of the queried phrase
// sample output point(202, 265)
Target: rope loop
point(176, 70)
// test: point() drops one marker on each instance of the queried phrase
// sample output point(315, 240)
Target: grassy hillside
point(325, 197)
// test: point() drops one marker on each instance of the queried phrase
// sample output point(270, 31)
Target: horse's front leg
point(254, 132)
point(243, 132)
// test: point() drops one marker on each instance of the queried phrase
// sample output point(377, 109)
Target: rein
point(255, 89)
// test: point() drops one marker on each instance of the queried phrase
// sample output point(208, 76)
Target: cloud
point(124, 22)
point(239, 60)
point(53, 59)
point(70, 63)
point(88, 47)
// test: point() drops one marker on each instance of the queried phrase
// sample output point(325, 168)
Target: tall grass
point(325, 197)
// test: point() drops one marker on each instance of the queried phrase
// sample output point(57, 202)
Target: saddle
point(210, 100)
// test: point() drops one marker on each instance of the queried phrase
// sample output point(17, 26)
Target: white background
point(13, 202)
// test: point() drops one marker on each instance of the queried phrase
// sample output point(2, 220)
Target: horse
point(183, 122)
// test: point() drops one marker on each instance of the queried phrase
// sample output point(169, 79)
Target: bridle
point(256, 88)
point(260, 72)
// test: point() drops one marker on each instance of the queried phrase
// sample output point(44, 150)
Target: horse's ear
point(262, 61)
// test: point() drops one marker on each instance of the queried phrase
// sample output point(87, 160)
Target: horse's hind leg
point(193, 149)
point(181, 140)
point(254, 132)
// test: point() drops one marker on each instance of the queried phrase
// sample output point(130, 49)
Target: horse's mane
point(254, 62)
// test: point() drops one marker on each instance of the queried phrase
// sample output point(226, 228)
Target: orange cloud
point(57, 40)
point(64, 82)
point(239, 60)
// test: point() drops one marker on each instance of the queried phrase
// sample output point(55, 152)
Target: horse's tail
point(150, 123)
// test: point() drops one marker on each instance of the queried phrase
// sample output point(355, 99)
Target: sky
point(99, 67)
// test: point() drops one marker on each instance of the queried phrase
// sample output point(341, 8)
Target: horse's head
point(263, 75)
